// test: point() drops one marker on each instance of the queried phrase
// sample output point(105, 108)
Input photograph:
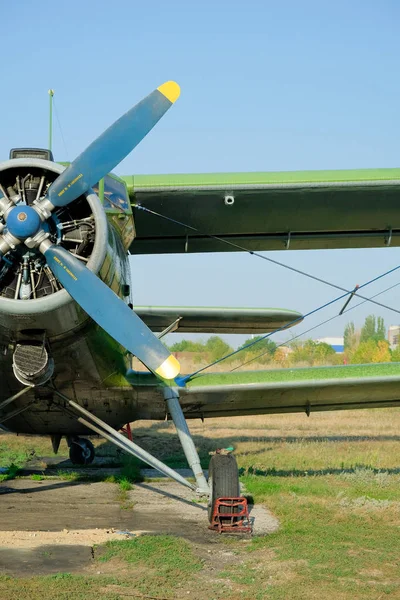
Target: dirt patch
point(41, 521)
point(44, 559)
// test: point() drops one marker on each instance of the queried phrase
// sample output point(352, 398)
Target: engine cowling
point(31, 298)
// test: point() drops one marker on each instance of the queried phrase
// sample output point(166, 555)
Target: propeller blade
point(110, 312)
point(107, 151)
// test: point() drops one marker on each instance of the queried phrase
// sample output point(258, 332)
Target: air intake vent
point(31, 153)
point(31, 364)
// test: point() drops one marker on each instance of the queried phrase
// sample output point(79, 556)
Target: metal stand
point(113, 436)
point(231, 515)
point(172, 398)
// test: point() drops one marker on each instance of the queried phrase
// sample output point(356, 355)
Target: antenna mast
point(51, 94)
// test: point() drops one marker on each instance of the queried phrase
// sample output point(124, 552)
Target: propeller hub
point(23, 222)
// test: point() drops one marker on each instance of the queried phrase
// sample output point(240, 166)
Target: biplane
point(68, 325)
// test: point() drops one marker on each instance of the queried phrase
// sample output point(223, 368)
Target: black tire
point(223, 479)
point(79, 455)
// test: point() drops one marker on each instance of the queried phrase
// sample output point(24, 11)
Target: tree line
point(369, 344)
point(365, 345)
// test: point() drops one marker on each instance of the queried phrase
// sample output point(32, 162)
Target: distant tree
point(262, 345)
point(365, 352)
point(380, 329)
point(323, 351)
point(382, 352)
point(312, 353)
point(260, 350)
point(281, 357)
point(368, 330)
point(350, 337)
point(187, 346)
point(217, 348)
point(395, 355)
point(373, 328)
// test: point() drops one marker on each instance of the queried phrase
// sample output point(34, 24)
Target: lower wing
point(275, 391)
point(293, 390)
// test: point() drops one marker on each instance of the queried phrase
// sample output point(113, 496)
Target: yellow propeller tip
point(169, 369)
point(171, 90)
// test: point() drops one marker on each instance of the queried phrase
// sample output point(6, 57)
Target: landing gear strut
point(81, 451)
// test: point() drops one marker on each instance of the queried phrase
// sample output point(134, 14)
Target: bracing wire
point(244, 364)
point(267, 258)
point(183, 380)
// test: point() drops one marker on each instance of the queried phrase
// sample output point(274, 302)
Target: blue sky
point(265, 86)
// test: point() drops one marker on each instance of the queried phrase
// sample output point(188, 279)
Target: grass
point(332, 480)
point(172, 556)
point(60, 585)
point(149, 565)
point(298, 374)
point(128, 473)
point(162, 563)
point(11, 473)
point(322, 545)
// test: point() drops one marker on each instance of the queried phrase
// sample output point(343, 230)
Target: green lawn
point(333, 482)
point(299, 374)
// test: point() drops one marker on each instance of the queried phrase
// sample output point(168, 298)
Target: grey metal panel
point(217, 320)
point(323, 216)
point(290, 397)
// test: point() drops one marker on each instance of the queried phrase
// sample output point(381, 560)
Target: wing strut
point(101, 428)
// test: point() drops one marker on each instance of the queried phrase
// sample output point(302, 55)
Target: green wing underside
point(283, 391)
point(217, 320)
point(271, 211)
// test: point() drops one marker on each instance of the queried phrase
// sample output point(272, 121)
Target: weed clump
point(11, 473)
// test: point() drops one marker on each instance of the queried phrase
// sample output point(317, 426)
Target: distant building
point(394, 336)
point(337, 343)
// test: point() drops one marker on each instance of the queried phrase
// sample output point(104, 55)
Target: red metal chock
point(127, 431)
point(231, 522)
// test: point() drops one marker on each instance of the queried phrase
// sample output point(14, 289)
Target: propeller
point(112, 146)
point(24, 225)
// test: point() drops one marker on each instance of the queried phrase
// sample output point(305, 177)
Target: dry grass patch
point(332, 480)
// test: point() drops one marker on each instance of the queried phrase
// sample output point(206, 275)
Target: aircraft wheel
point(81, 452)
point(223, 479)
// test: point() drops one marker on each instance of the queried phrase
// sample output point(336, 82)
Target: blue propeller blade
point(110, 312)
point(107, 151)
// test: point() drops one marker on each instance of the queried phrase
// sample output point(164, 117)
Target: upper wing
point(279, 391)
point(216, 320)
point(271, 211)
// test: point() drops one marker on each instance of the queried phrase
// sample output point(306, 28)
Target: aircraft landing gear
point(223, 479)
point(81, 451)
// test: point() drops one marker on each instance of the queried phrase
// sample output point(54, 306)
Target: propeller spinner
point(24, 225)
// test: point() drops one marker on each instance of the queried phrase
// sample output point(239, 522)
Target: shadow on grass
point(161, 440)
point(314, 472)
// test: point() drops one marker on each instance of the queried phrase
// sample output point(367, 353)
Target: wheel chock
point(233, 519)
